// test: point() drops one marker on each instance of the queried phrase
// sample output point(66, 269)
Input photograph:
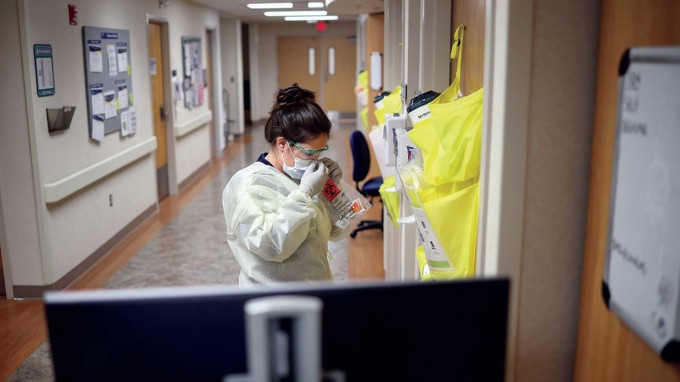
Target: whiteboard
point(642, 268)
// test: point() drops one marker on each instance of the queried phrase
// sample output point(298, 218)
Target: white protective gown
point(276, 232)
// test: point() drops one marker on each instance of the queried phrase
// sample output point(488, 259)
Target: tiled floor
point(192, 249)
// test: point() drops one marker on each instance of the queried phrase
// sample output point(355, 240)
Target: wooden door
point(294, 63)
point(338, 88)
point(375, 42)
point(158, 106)
point(607, 350)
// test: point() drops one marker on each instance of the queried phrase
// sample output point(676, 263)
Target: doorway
point(324, 65)
point(209, 39)
point(246, 73)
point(299, 62)
point(338, 76)
point(158, 106)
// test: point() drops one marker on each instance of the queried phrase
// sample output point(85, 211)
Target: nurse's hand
point(313, 179)
point(334, 170)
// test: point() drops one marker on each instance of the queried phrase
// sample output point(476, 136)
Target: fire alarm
point(321, 26)
point(72, 14)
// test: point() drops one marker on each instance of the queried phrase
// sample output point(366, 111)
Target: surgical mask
point(299, 168)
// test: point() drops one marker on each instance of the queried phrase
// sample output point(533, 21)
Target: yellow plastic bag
point(457, 128)
point(361, 88)
point(450, 142)
point(421, 135)
point(379, 102)
point(411, 176)
point(393, 102)
point(389, 104)
point(364, 117)
point(424, 269)
point(454, 217)
point(391, 200)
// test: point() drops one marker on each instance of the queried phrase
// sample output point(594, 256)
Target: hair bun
point(294, 95)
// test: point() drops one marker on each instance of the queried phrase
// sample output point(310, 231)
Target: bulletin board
point(193, 82)
point(108, 82)
point(642, 269)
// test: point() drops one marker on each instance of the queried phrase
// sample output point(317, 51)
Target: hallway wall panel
point(18, 223)
point(607, 349)
point(51, 239)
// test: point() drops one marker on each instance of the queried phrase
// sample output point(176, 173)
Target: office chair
point(370, 189)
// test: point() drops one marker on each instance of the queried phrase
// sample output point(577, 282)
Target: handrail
point(192, 124)
point(64, 187)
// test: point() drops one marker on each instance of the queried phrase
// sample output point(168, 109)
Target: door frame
point(5, 273)
point(507, 58)
point(173, 187)
point(215, 105)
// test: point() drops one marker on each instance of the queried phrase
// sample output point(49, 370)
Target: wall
point(435, 46)
point(539, 90)
point(42, 241)
point(562, 101)
point(232, 72)
point(263, 42)
point(607, 349)
point(21, 254)
point(188, 19)
point(393, 54)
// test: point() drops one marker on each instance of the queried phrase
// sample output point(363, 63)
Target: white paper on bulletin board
point(642, 271)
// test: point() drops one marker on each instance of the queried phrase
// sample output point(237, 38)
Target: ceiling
point(346, 9)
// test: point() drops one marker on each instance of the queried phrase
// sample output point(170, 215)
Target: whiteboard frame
point(669, 351)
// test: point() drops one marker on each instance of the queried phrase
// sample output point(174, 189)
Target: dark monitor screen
point(433, 331)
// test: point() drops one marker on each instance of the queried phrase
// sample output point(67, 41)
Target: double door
point(325, 65)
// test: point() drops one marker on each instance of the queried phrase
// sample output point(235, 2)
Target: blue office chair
point(370, 189)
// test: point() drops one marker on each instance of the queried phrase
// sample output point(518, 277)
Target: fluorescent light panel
point(315, 4)
point(270, 5)
point(310, 18)
point(295, 13)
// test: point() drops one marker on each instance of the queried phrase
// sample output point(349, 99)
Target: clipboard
point(641, 282)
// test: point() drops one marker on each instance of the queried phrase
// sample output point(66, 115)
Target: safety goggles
point(309, 151)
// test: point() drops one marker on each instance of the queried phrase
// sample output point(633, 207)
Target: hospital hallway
point(184, 243)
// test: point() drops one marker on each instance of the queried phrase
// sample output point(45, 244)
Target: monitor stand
point(267, 343)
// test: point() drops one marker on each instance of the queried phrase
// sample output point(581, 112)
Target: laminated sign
point(642, 268)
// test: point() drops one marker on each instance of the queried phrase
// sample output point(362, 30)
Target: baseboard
point(37, 291)
point(2, 282)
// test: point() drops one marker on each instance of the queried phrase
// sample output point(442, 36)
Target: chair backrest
point(360, 154)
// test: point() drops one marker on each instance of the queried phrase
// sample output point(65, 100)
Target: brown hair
point(296, 116)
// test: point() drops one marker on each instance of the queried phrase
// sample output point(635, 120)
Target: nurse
point(277, 226)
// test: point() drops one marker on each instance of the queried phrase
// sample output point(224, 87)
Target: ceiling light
point(310, 18)
point(315, 4)
point(270, 5)
point(295, 13)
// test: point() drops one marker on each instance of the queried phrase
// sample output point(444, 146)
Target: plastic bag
point(390, 198)
point(379, 102)
point(343, 202)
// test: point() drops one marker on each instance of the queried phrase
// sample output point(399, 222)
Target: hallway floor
point(183, 244)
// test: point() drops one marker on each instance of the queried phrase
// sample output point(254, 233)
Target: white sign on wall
point(642, 271)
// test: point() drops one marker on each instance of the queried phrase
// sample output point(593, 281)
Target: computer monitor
point(433, 331)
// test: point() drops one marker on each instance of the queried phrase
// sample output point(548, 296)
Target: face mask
point(299, 168)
